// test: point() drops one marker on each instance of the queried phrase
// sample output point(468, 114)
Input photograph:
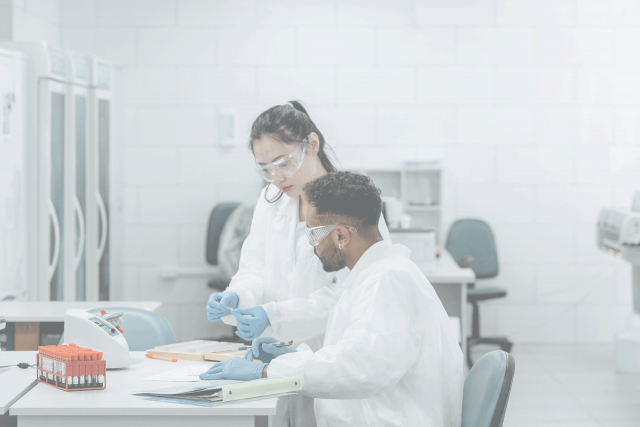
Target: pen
point(151, 356)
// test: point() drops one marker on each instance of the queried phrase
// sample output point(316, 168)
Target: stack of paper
point(219, 391)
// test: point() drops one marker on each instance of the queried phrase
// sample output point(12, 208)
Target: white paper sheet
point(186, 373)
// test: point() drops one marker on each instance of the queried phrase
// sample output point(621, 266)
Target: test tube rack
point(71, 368)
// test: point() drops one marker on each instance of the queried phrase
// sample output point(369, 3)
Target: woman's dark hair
point(289, 123)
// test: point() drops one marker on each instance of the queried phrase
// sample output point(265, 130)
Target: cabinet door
point(13, 231)
point(52, 193)
point(104, 200)
point(80, 103)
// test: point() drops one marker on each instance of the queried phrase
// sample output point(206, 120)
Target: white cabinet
point(418, 187)
point(67, 173)
point(13, 202)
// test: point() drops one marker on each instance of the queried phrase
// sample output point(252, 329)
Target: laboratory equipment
point(95, 331)
point(71, 367)
point(286, 166)
point(56, 195)
point(618, 233)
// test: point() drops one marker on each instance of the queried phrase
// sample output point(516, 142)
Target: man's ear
point(342, 237)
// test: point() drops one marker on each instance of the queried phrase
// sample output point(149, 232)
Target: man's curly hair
point(346, 194)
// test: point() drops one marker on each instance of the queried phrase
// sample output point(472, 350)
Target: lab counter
point(47, 406)
point(14, 382)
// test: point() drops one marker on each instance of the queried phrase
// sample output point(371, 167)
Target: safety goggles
point(286, 166)
point(316, 234)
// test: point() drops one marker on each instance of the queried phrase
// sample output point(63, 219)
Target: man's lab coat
point(297, 294)
point(389, 355)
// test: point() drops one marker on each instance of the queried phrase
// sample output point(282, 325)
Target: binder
point(225, 391)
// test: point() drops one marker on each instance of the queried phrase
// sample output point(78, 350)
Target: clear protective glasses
point(286, 166)
point(316, 234)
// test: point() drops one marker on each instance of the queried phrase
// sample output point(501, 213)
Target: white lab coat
point(296, 292)
point(389, 355)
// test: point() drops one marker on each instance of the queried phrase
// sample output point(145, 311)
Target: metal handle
point(78, 209)
point(103, 216)
point(56, 247)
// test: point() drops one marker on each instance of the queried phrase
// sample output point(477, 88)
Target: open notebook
point(223, 391)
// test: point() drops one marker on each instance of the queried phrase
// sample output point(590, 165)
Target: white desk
point(450, 282)
point(14, 382)
point(53, 311)
point(115, 406)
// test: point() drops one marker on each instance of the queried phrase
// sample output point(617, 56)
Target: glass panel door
point(57, 195)
point(103, 199)
point(81, 196)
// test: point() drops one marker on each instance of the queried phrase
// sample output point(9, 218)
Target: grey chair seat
point(481, 294)
point(487, 389)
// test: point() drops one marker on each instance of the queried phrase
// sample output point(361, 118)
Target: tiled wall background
point(532, 105)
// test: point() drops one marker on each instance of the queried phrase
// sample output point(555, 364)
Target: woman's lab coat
point(297, 294)
point(389, 355)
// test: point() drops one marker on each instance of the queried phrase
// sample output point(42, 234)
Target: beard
point(332, 259)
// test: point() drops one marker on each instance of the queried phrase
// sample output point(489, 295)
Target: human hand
point(251, 327)
point(276, 351)
point(237, 368)
point(256, 352)
point(216, 303)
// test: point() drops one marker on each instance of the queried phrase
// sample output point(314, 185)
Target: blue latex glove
point(234, 369)
point(216, 303)
point(277, 351)
point(251, 327)
point(256, 351)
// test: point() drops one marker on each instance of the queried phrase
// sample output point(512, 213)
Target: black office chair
point(471, 243)
point(217, 219)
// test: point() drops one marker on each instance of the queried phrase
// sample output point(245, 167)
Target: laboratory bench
point(33, 323)
point(44, 405)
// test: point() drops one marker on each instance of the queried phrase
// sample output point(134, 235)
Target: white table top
point(15, 381)
point(116, 399)
point(53, 311)
point(445, 270)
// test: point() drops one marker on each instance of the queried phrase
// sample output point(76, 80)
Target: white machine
point(619, 234)
point(98, 332)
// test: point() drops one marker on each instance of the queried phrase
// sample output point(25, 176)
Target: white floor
point(571, 386)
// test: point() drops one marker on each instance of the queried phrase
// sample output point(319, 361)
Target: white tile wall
point(497, 125)
point(455, 85)
point(140, 13)
point(459, 12)
point(495, 46)
point(328, 46)
point(532, 105)
point(274, 46)
point(176, 46)
point(375, 12)
point(177, 126)
point(574, 46)
point(416, 46)
point(216, 85)
point(534, 12)
point(416, 126)
point(116, 44)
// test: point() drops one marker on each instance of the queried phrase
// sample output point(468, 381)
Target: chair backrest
point(218, 217)
point(487, 389)
point(473, 238)
point(143, 329)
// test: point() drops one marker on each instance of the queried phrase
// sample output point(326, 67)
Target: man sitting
point(389, 356)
